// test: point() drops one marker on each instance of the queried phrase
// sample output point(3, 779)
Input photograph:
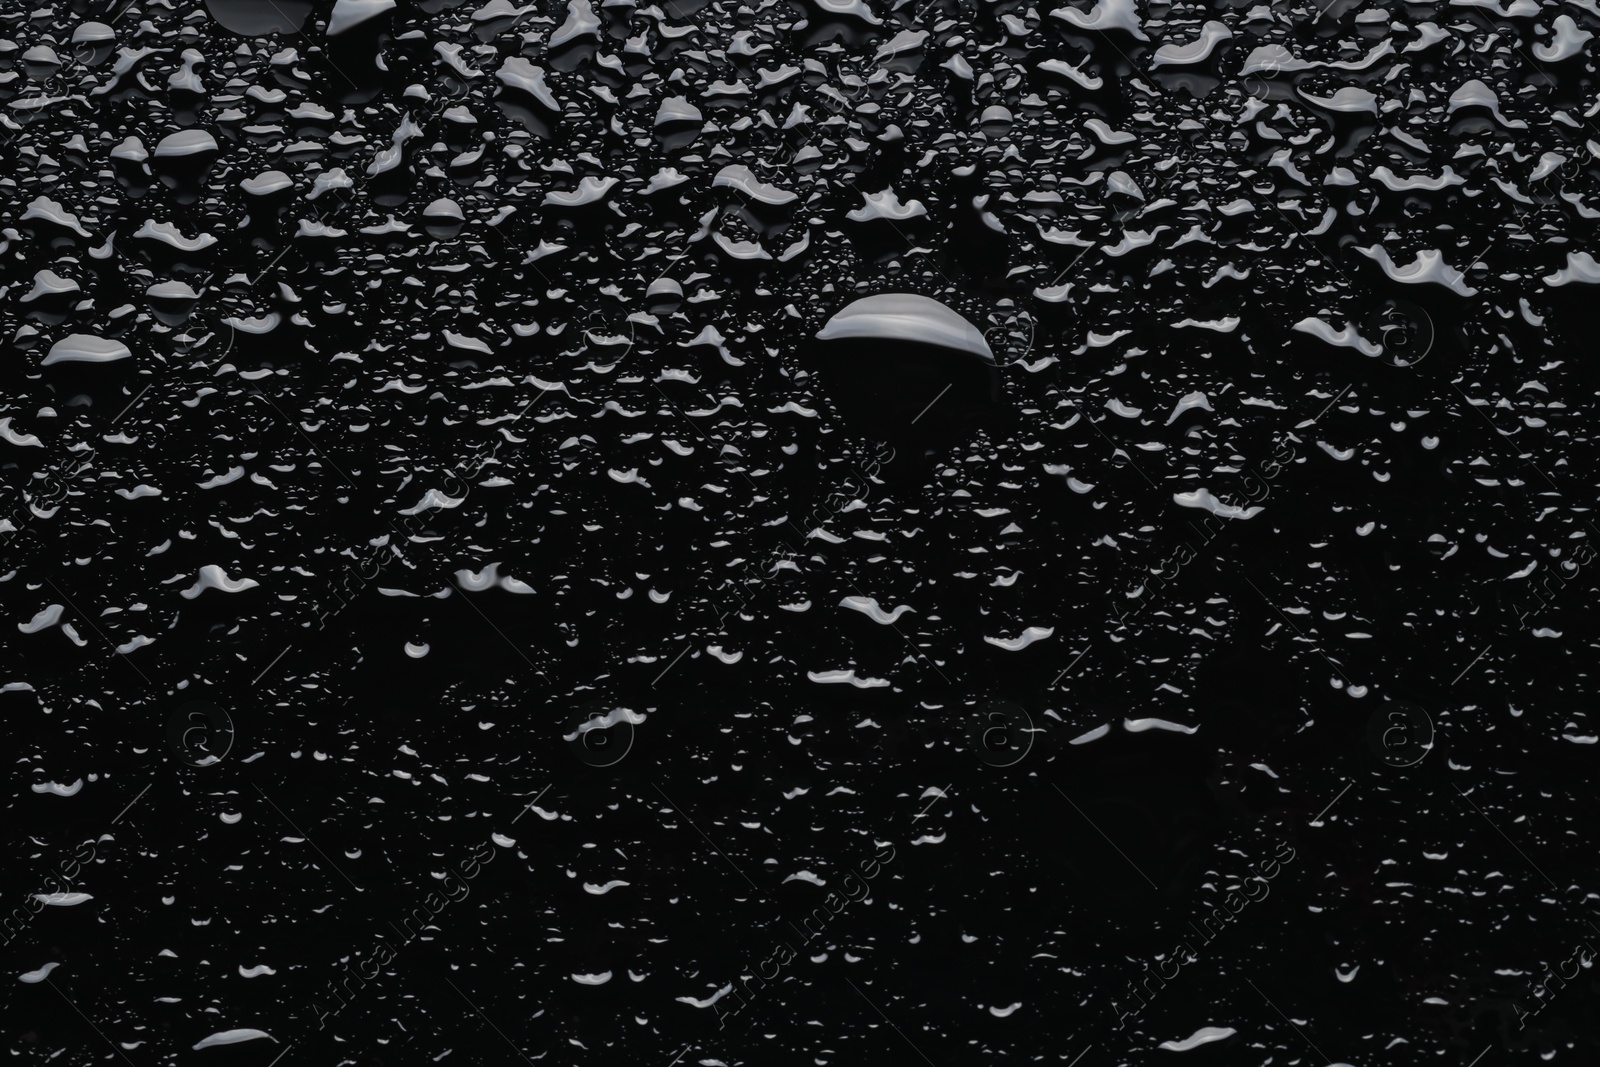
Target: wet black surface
point(510, 394)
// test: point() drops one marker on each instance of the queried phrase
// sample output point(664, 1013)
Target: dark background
point(1452, 881)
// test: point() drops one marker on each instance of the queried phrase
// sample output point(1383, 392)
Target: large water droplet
point(252, 18)
point(909, 369)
